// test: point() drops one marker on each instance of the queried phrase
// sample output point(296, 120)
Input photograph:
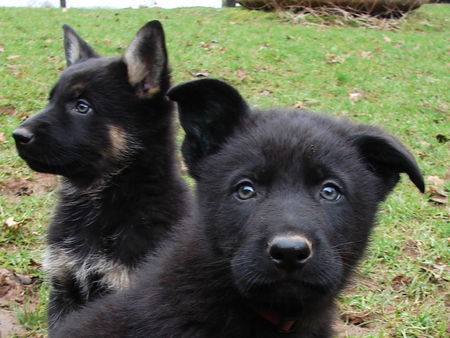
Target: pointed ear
point(387, 157)
point(75, 48)
point(209, 111)
point(146, 60)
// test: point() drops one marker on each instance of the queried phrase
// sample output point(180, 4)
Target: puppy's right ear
point(209, 111)
point(146, 60)
point(75, 48)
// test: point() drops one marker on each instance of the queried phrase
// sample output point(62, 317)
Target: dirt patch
point(411, 248)
point(10, 110)
point(348, 330)
point(356, 280)
point(13, 292)
point(399, 282)
point(9, 325)
point(38, 184)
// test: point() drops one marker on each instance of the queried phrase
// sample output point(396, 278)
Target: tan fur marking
point(77, 88)
point(118, 140)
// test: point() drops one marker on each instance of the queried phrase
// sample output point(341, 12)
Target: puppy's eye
point(330, 192)
point(245, 191)
point(83, 107)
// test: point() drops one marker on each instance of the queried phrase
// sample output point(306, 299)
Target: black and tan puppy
point(107, 129)
point(286, 201)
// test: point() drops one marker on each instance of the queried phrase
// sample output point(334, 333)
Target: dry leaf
point(200, 74)
point(366, 54)
point(265, 92)
point(10, 223)
point(242, 74)
point(2, 48)
point(435, 181)
point(331, 58)
point(299, 105)
point(387, 38)
point(23, 279)
point(2, 137)
point(400, 281)
point(355, 96)
point(34, 263)
point(354, 318)
point(12, 57)
point(436, 190)
point(438, 271)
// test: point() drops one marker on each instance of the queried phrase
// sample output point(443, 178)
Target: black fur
point(107, 129)
point(261, 176)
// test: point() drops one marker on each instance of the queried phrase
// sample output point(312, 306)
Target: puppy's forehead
point(91, 72)
point(296, 135)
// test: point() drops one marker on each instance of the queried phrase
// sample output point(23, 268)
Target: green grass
point(398, 80)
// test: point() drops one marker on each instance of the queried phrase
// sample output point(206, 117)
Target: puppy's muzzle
point(290, 252)
point(23, 136)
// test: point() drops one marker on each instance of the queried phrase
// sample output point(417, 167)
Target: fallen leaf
point(387, 38)
point(400, 281)
point(304, 104)
point(438, 271)
point(200, 74)
point(10, 223)
point(331, 58)
point(310, 102)
point(439, 199)
point(436, 190)
point(242, 74)
point(359, 319)
point(48, 40)
point(33, 263)
point(355, 95)
point(299, 105)
point(366, 54)
point(12, 57)
point(2, 48)
point(2, 137)
point(23, 279)
point(265, 92)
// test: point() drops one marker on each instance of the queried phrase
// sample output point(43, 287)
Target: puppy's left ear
point(387, 157)
point(146, 60)
point(209, 111)
point(75, 48)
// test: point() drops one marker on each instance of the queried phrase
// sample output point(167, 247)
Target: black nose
point(290, 252)
point(23, 135)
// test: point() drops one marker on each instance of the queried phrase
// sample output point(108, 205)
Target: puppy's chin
point(287, 293)
point(67, 169)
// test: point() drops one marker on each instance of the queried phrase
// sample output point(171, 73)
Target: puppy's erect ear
point(388, 157)
point(146, 59)
point(75, 48)
point(209, 111)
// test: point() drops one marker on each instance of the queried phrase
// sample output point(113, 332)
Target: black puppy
point(286, 202)
point(107, 129)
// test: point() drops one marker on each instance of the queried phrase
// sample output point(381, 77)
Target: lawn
point(397, 79)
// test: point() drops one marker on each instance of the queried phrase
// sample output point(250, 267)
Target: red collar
point(283, 325)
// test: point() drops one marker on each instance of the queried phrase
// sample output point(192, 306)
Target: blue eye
point(245, 191)
point(83, 107)
point(330, 192)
